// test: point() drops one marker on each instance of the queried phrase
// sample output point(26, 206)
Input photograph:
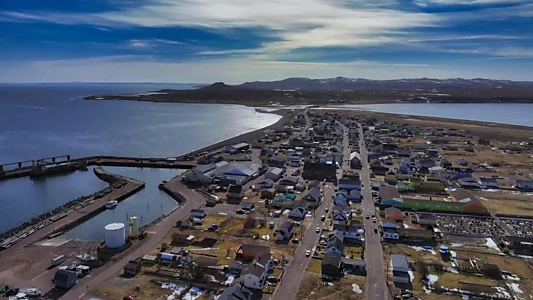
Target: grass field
point(208, 220)
point(516, 265)
point(315, 266)
point(313, 288)
point(453, 280)
point(232, 226)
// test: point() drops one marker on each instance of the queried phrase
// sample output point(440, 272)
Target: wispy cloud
point(467, 2)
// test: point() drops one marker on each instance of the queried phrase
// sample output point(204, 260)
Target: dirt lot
point(139, 287)
point(518, 266)
point(425, 256)
point(454, 280)
point(313, 288)
point(506, 203)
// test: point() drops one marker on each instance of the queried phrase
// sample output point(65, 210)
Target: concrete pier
point(110, 161)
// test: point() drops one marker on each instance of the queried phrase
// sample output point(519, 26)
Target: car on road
point(367, 217)
point(240, 211)
point(322, 218)
point(307, 253)
point(327, 209)
point(318, 230)
point(295, 241)
point(375, 230)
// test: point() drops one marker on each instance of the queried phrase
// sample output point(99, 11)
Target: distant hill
point(305, 91)
point(354, 84)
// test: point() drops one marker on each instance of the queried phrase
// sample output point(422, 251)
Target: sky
point(201, 41)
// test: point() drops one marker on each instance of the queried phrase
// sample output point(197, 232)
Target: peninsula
point(304, 91)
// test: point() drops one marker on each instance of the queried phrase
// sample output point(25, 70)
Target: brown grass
point(224, 251)
point(313, 288)
point(139, 287)
point(232, 226)
point(208, 220)
point(424, 256)
point(453, 280)
point(516, 265)
point(315, 266)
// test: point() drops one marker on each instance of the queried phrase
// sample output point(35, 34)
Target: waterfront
point(44, 121)
point(504, 113)
point(148, 204)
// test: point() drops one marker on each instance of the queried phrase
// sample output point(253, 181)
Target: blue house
point(403, 169)
point(390, 196)
point(353, 195)
point(335, 243)
point(349, 184)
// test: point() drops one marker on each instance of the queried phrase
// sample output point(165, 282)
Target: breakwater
point(94, 202)
point(110, 161)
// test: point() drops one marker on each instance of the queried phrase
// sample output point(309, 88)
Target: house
point(298, 213)
point(349, 184)
point(335, 243)
point(424, 219)
point(132, 268)
point(319, 171)
point(380, 170)
point(483, 141)
point(487, 182)
point(393, 213)
point(197, 213)
point(390, 195)
point(332, 265)
point(178, 238)
point(424, 185)
point(235, 267)
point(65, 279)
point(274, 174)
point(254, 276)
point(352, 234)
point(524, 184)
point(268, 194)
point(340, 199)
point(236, 292)
point(314, 183)
point(433, 152)
point(468, 182)
point(266, 184)
point(415, 234)
point(289, 181)
point(355, 161)
point(313, 195)
point(251, 252)
point(240, 147)
point(235, 191)
point(343, 214)
point(389, 224)
point(403, 152)
point(284, 231)
point(354, 195)
point(277, 161)
point(390, 234)
point(400, 269)
point(356, 266)
point(427, 163)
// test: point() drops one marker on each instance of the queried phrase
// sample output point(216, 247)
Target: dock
point(24, 168)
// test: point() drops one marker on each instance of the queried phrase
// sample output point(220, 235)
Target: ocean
point(42, 120)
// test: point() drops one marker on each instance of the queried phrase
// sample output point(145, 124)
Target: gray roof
point(332, 259)
point(312, 194)
point(253, 268)
point(463, 196)
point(63, 275)
point(286, 225)
point(240, 145)
point(399, 261)
point(276, 171)
point(388, 192)
point(353, 262)
point(236, 293)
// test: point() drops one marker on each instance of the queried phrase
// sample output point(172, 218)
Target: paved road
point(376, 279)
point(295, 271)
point(194, 201)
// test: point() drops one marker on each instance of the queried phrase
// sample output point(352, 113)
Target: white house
point(524, 184)
point(254, 276)
point(390, 234)
point(468, 182)
point(488, 182)
point(274, 173)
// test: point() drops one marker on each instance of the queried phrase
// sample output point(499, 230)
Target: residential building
point(236, 292)
point(197, 213)
point(274, 173)
point(487, 182)
point(298, 213)
point(400, 269)
point(254, 276)
point(524, 184)
point(284, 231)
point(393, 213)
point(355, 266)
point(335, 243)
point(235, 191)
point(390, 195)
point(390, 234)
point(468, 182)
point(332, 265)
point(251, 252)
point(355, 161)
point(424, 219)
point(349, 184)
point(313, 195)
point(240, 147)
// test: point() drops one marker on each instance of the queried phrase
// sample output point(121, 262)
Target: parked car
point(295, 241)
point(212, 227)
point(318, 230)
point(240, 211)
point(323, 218)
point(308, 253)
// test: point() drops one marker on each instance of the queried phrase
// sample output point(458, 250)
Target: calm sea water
point(148, 204)
point(44, 120)
point(510, 113)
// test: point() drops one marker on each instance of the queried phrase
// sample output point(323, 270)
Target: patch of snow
point(453, 253)
point(502, 292)
point(431, 279)
point(525, 256)
point(515, 287)
point(510, 276)
point(222, 213)
point(356, 289)
point(418, 248)
point(176, 289)
point(411, 275)
point(405, 226)
point(428, 291)
point(457, 245)
point(465, 297)
point(193, 293)
point(229, 280)
point(266, 237)
point(491, 244)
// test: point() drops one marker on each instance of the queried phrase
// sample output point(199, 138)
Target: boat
point(111, 204)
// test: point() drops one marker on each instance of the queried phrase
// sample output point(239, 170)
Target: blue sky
point(245, 40)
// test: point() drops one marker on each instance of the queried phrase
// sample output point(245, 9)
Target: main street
point(376, 279)
point(295, 271)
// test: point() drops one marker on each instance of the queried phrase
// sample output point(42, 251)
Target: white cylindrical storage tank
point(115, 235)
point(134, 230)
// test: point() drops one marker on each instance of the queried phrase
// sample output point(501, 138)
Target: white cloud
point(466, 2)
